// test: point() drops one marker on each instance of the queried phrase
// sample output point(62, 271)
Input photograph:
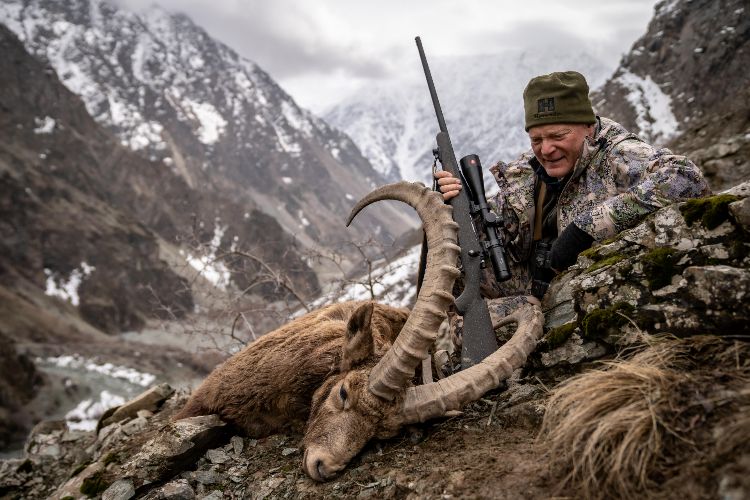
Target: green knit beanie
point(561, 97)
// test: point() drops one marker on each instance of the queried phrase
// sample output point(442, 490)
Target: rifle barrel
point(431, 86)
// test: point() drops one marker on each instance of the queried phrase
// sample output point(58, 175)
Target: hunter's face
point(557, 146)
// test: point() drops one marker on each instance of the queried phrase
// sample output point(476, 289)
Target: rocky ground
point(491, 450)
point(471, 455)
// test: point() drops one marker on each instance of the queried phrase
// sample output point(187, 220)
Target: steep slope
point(72, 264)
point(75, 195)
point(685, 84)
point(394, 123)
point(59, 229)
point(180, 98)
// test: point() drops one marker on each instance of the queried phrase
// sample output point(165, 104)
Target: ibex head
point(369, 400)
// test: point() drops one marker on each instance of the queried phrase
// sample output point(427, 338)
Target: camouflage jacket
point(617, 181)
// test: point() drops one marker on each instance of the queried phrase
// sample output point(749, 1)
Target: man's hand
point(447, 184)
point(567, 246)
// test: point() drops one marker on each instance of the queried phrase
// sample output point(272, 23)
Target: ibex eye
point(342, 393)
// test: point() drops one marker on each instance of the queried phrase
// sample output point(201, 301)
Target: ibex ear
point(358, 344)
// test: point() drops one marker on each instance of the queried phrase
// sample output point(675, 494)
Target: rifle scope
point(471, 169)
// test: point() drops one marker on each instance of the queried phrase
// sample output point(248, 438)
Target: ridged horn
point(432, 400)
point(396, 368)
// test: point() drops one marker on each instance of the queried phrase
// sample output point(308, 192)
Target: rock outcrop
point(19, 381)
point(683, 271)
point(685, 85)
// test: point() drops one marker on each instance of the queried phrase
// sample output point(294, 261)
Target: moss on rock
point(77, 470)
point(599, 322)
point(659, 265)
point(591, 253)
point(558, 335)
point(608, 261)
point(94, 484)
point(111, 458)
point(711, 211)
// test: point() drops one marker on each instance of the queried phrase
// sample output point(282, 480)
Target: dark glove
point(567, 246)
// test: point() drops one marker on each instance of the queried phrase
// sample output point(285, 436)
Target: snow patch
point(145, 134)
point(78, 362)
point(393, 283)
point(67, 289)
point(212, 124)
point(196, 61)
point(302, 219)
point(88, 412)
point(294, 117)
point(666, 7)
point(86, 415)
point(138, 133)
point(653, 107)
point(10, 13)
point(208, 266)
point(44, 126)
point(286, 142)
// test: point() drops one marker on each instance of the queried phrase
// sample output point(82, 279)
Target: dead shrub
point(625, 430)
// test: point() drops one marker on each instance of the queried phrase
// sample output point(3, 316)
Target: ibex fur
point(267, 387)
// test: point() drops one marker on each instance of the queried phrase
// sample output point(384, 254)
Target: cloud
point(287, 38)
point(346, 42)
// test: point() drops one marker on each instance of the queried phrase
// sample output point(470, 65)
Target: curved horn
point(396, 368)
point(424, 402)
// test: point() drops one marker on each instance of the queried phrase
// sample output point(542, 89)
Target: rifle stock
point(478, 340)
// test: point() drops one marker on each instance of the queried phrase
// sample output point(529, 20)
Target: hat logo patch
point(545, 105)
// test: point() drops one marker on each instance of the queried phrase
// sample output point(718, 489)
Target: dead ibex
point(267, 387)
point(369, 401)
point(352, 357)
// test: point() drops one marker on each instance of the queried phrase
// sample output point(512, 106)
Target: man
point(585, 180)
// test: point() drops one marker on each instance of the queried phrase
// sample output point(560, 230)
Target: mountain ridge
point(175, 95)
point(394, 124)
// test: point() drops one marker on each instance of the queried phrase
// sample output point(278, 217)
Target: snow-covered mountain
point(171, 92)
point(394, 123)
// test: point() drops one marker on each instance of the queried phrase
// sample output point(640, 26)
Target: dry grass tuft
point(626, 429)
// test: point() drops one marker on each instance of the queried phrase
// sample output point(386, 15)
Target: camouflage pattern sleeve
point(646, 180)
point(514, 204)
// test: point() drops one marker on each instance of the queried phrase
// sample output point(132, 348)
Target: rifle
point(478, 335)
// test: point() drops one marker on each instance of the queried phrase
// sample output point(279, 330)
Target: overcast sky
point(320, 50)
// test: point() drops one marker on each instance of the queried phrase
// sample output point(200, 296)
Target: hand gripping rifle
point(478, 335)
